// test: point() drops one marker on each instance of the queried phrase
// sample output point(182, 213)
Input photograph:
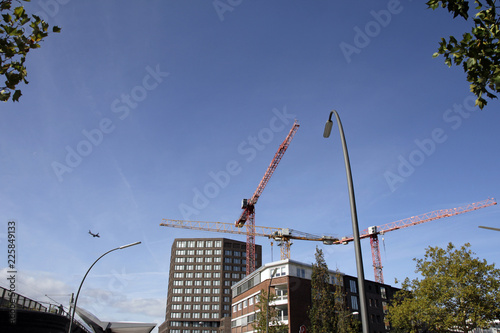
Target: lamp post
point(354, 217)
point(79, 288)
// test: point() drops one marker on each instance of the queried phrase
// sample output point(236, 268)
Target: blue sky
point(131, 111)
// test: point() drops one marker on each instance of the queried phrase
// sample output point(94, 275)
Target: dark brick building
point(292, 285)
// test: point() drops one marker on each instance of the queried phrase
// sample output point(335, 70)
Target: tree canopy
point(19, 33)
point(456, 291)
point(328, 312)
point(266, 319)
point(478, 51)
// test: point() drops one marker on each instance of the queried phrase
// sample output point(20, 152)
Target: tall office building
point(202, 271)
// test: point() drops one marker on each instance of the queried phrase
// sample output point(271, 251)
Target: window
point(210, 243)
point(199, 252)
point(217, 259)
point(180, 259)
point(382, 292)
point(206, 291)
point(177, 291)
point(207, 275)
point(217, 267)
point(187, 306)
point(215, 290)
point(228, 252)
point(205, 315)
point(227, 291)
point(188, 290)
point(198, 275)
point(180, 252)
point(196, 307)
point(236, 253)
point(189, 282)
point(197, 282)
point(354, 303)
point(218, 244)
point(197, 299)
point(176, 299)
point(280, 271)
point(235, 308)
point(209, 252)
point(216, 283)
point(189, 267)
point(189, 275)
point(227, 299)
point(200, 244)
point(186, 315)
point(208, 259)
point(199, 259)
point(245, 303)
point(196, 315)
point(237, 261)
point(175, 315)
point(190, 252)
point(191, 244)
point(228, 260)
point(187, 298)
point(301, 272)
point(175, 323)
point(179, 275)
point(352, 285)
point(199, 267)
point(217, 252)
point(239, 306)
point(250, 301)
point(215, 299)
point(208, 267)
point(181, 243)
point(178, 282)
point(206, 299)
point(236, 276)
point(207, 283)
point(197, 290)
point(176, 307)
point(215, 315)
point(179, 267)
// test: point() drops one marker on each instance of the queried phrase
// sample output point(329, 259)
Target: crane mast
point(248, 205)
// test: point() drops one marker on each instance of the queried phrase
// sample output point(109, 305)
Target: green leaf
point(56, 29)
point(17, 94)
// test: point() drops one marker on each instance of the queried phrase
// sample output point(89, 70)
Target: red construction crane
point(373, 232)
point(248, 205)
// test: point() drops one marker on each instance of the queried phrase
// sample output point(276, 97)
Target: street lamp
point(79, 288)
point(354, 217)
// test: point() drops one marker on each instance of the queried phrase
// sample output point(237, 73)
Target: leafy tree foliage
point(344, 321)
point(329, 312)
point(457, 291)
point(322, 311)
point(19, 33)
point(478, 51)
point(262, 316)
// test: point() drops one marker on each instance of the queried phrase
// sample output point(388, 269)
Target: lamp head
point(328, 126)
point(129, 245)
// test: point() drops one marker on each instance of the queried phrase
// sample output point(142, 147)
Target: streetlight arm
point(81, 284)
